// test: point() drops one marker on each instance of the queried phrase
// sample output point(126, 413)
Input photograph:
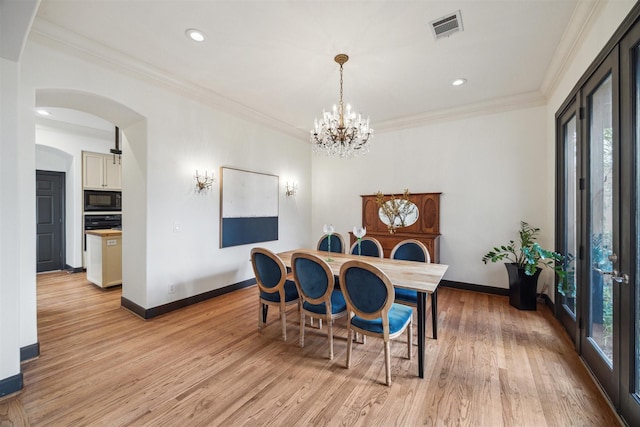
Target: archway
point(134, 170)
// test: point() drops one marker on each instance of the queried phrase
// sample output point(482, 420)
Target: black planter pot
point(523, 289)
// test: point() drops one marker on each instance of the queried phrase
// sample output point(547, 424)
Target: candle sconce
point(204, 182)
point(291, 189)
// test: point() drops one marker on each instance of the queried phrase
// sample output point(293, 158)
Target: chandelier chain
point(341, 105)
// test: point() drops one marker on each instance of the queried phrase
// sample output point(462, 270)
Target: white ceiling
point(274, 59)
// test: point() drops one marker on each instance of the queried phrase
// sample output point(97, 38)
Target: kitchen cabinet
point(100, 172)
point(104, 257)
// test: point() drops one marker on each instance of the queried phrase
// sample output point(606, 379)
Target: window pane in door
point(568, 289)
point(601, 289)
point(636, 364)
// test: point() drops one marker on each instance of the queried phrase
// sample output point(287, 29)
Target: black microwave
point(98, 200)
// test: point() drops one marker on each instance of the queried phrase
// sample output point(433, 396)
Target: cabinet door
point(112, 173)
point(93, 171)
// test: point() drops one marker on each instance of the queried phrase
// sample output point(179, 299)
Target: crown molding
point(496, 105)
point(59, 38)
point(579, 25)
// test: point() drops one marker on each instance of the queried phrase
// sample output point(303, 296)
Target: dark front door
point(49, 220)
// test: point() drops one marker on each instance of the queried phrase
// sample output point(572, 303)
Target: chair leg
point(387, 361)
point(330, 335)
point(260, 318)
point(302, 328)
point(409, 338)
point(349, 342)
point(283, 319)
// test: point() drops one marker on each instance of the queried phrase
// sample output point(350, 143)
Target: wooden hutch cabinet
point(426, 229)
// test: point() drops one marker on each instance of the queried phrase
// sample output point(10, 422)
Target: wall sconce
point(291, 189)
point(204, 182)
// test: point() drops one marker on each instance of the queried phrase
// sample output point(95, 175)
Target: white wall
point(161, 153)
point(493, 169)
point(60, 150)
point(490, 169)
point(9, 220)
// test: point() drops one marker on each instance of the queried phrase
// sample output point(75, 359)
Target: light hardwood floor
point(207, 364)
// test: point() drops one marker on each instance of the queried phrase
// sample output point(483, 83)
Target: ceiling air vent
point(447, 25)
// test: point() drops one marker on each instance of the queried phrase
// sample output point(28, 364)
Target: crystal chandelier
point(341, 133)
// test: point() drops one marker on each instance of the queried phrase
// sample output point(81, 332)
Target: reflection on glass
point(601, 291)
point(568, 291)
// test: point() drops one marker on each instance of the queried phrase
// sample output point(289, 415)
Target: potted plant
point(526, 259)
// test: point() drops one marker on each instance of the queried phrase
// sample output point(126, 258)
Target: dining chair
point(315, 283)
point(275, 287)
point(369, 246)
point(369, 296)
point(409, 250)
point(337, 243)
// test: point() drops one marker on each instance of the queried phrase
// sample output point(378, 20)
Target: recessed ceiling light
point(458, 82)
point(195, 35)
point(43, 112)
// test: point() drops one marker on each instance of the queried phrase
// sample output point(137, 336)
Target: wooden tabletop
point(418, 276)
point(105, 233)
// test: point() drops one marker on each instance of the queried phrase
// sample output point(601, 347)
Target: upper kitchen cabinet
point(100, 172)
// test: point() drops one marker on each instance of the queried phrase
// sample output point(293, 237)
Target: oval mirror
point(398, 213)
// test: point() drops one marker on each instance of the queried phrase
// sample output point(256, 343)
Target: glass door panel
point(600, 329)
point(568, 290)
point(600, 233)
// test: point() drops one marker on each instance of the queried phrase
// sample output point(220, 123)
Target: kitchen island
point(104, 257)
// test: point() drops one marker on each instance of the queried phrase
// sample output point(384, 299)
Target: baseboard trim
point(475, 288)
point(11, 385)
point(175, 305)
point(30, 352)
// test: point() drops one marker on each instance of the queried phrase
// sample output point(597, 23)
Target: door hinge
point(581, 113)
point(580, 252)
point(581, 184)
point(580, 323)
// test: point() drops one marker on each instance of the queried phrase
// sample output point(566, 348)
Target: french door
point(630, 219)
point(598, 135)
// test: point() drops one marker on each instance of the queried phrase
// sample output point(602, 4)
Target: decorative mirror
point(397, 213)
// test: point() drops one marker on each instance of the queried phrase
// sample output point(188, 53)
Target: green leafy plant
point(528, 254)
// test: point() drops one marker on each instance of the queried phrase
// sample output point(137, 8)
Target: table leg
point(434, 314)
point(422, 302)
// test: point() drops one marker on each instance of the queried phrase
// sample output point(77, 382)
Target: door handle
point(615, 276)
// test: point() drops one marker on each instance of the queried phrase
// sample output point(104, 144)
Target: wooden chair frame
point(383, 312)
point(416, 242)
point(333, 236)
point(279, 288)
point(325, 298)
point(353, 250)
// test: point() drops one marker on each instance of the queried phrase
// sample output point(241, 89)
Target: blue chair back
point(336, 243)
point(411, 250)
point(269, 272)
point(368, 247)
point(311, 276)
point(365, 289)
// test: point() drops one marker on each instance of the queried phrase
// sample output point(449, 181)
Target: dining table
point(418, 276)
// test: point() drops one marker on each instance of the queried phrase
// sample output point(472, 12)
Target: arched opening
point(134, 171)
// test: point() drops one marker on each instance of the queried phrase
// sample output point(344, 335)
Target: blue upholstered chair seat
point(407, 295)
point(338, 304)
point(290, 293)
point(399, 316)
